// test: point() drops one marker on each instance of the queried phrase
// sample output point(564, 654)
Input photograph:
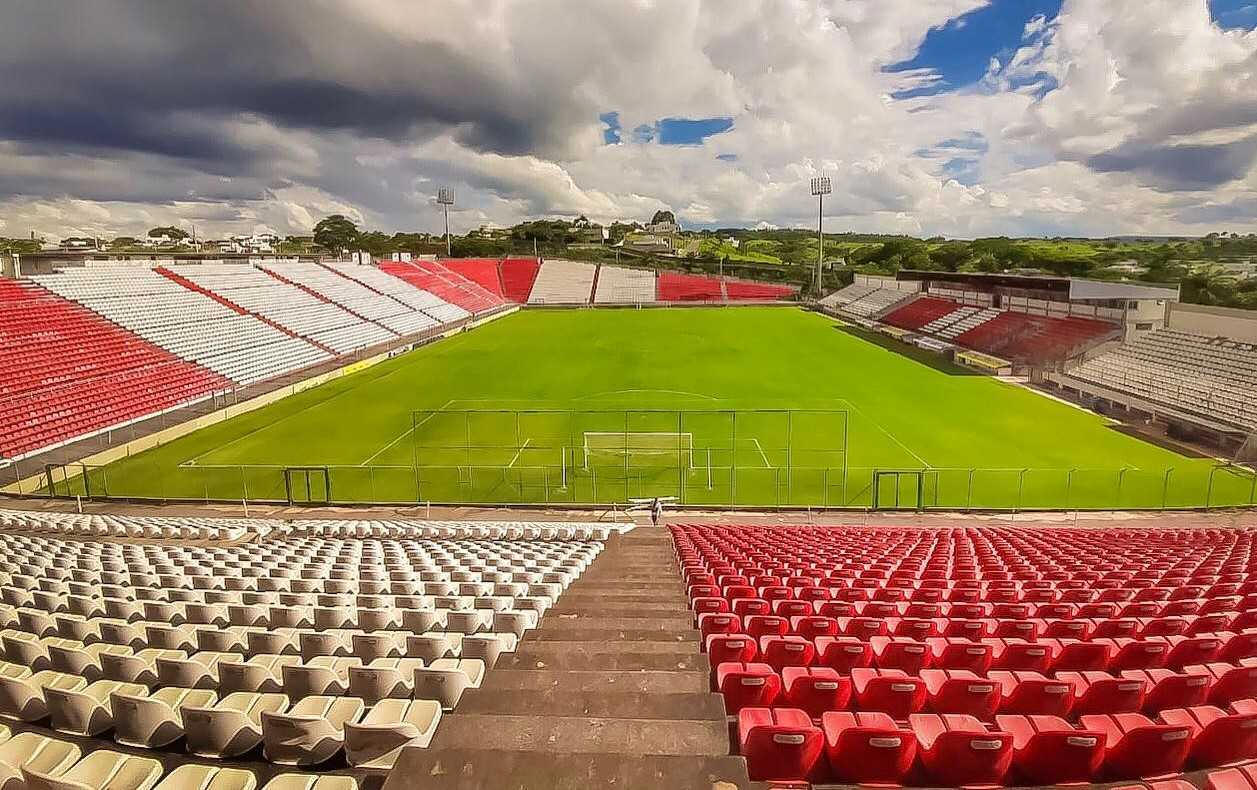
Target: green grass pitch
point(400, 432)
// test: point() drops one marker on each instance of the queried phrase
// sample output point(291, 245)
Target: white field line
point(519, 452)
point(924, 464)
point(762, 454)
point(193, 461)
point(407, 432)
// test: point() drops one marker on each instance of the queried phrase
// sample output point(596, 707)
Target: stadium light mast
point(820, 188)
point(445, 197)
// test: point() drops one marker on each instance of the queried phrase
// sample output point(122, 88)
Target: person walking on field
point(656, 511)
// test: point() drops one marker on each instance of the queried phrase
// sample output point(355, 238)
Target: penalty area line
point(407, 432)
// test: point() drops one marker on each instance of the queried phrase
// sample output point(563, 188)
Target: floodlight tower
point(820, 188)
point(445, 197)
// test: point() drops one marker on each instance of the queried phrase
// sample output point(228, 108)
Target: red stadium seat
point(959, 750)
point(1030, 693)
point(1102, 693)
point(1169, 689)
point(961, 691)
point(1047, 750)
point(815, 690)
point(1135, 747)
point(867, 748)
point(747, 685)
point(779, 743)
point(889, 691)
point(722, 648)
point(843, 653)
point(1218, 737)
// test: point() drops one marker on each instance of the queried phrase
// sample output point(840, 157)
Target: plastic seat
point(1229, 682)
point(87, 711)
point(1032, 694)
point(1218, 737)
point(23, 698)
point(867, 747)
point(1047, 750)
point(100, 770)
point(960, 691)
point(311, 782)
point(231, 726)
point(721, 648)
point(47, 756)
point(208, 777)
point(899, 652)
point(779, 743)
point(1169, 689)
point(446, 679)
point(156, 720)
point(957, 653)
point(1243, 777)
point(383, 678)
point(140, 667)
point(889, 691)
point(199, 671)
point(260, 673)
point(1101, 693)
point(959, 750)
point(1135, 747)
point(815, 690)
point(842, 653)
point(311, 732)
point(747, 685)
point(391, 725)
point(320, 676)
point(786, 651)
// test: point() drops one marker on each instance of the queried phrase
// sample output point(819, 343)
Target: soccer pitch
point(752, 406)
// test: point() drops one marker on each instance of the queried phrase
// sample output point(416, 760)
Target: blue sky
point(961, 50)
point(1234, 14)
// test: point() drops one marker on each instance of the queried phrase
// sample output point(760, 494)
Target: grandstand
point(979, 656)
point(617, 285)
point(1184, 374)
point(563, 282)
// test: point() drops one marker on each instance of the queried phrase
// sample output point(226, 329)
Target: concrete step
point(629, 610)
point(581, 598)
point(600, 704)
point(592, 632)
point(581, 735)
point(484, 769)
point(562, 659)
point(579, 682)
point(594, 619)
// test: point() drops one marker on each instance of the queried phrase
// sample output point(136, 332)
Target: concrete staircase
point(610, 691)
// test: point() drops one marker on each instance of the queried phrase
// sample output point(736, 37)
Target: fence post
point(244, 487)
point(1069, 488)
point(825, 482)
point(1121, 478)
point(969, 495)
point(1165, 487)
point(1021, 482)
point(1209, 489)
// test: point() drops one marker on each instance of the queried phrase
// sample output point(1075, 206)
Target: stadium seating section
point(1007, 334)
point(990, 656)
point(865, 301)
point(518, 276)
point(69, 372)
point(304, 644)
point(98, 346)
point(1203, 376)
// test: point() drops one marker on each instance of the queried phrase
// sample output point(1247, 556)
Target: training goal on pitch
point(570, 455)
point(638, 448)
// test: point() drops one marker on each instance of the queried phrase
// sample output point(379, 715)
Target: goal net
point(639, 448)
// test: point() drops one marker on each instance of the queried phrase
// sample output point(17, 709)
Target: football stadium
point(604, 395)
point(328, 632)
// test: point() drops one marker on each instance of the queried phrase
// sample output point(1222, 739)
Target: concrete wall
point(1215, 321)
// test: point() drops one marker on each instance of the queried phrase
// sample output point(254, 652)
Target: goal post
point(640, 448)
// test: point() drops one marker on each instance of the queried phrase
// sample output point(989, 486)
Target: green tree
point(1209, 285)
point(335, 233)
point(171, 231)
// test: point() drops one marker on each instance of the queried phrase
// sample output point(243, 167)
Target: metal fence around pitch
point(702, 483)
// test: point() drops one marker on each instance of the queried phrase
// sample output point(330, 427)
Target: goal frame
point(680, 446)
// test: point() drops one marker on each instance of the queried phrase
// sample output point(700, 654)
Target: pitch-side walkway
point(609, 692)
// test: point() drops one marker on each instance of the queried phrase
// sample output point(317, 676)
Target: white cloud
point(1115, 117)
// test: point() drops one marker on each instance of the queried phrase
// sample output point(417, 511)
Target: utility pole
point(820, 188)
point(445, 196)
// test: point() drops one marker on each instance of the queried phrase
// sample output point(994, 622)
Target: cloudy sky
point(955, 117)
